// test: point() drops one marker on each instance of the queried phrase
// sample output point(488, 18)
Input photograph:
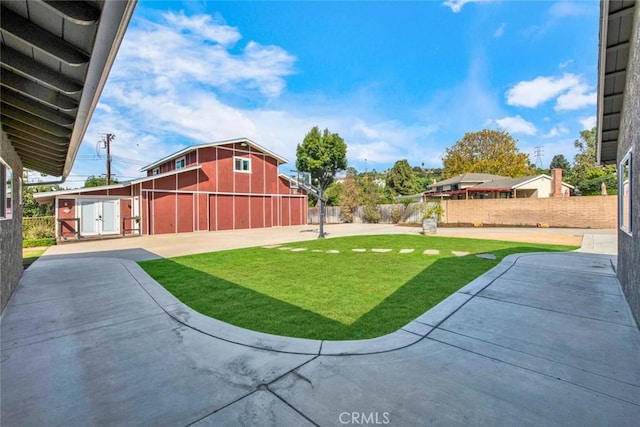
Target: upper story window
point(6, 191)
point(155, 171)
point(242, 164)
point(181, 163)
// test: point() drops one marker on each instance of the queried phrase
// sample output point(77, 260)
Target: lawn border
point(410, 334)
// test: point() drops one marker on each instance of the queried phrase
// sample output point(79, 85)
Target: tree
point(486, 151)
point(401, 178)
point(333, 193)
point(561, 162)
point(98, 181)
point(30, 207)
point(323, 155)
point(351, 197)
point(585, 160)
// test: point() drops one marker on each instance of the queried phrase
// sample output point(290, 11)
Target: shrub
point(34, 243)
point(371, 214)
point(38, 227)
point(396, 214)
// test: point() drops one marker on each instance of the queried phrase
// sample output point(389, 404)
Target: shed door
point(99, 217)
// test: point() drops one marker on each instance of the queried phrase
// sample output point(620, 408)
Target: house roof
point(56, 56)
point(48, 196)
point(616, 27)
point(515, 183)
point(213, 144)
point(467, 177)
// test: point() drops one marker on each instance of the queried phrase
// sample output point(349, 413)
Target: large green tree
point(585, 160)
point(98, 181)
point(486, 151)
point(559, 161)
point(323, 154)
point(401, 178)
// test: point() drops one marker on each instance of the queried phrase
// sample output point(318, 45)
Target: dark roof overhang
point(55, 58)
point(616, 24)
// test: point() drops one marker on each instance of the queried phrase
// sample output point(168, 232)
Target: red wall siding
point(271, 175)
point(257, 174)
point(185, 213)
point(68, 228)
point(295, 211)
point(164, 213)
point(242, 182)
point(286, 211)
point(126, 208)
point(208, 171)
point(224, 205)
point(213, 203)
point(165, 183)
point(144, 214)
point(187, 181)
point(225, 171)
point(257, 211)
point(268, 209)
point(201, 222)
point(241, 212)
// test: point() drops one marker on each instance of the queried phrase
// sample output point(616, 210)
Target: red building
point(223, 185)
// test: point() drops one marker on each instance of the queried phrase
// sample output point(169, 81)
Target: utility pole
point(107, 144)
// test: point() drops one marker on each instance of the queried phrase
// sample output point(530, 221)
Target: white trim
point(243, 160)
point(56, 206)
point(628, 157)
point(113, 186)
point(182, 160)
point(219, 144)
point(155, 171)
point(217, 193)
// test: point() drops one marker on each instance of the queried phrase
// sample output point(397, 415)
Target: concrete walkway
point(542, 339)
point(170, 245)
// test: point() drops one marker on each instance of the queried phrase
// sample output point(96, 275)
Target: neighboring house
point(225, 185)
point(618, 136)
point(487, 186)
point(56, 57)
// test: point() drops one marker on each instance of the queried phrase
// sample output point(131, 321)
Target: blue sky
point(397, 80)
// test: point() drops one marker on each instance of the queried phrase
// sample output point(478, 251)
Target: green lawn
point(31, 254)
point(333, 296)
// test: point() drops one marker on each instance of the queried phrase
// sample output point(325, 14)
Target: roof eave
point(604, 21)
point(114, 21)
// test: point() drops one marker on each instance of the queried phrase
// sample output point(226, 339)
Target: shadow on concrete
point(134, 254)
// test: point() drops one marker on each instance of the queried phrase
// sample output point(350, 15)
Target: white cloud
point(565, 9)
point(500, 31)
point(557, 12)
point(159, 56)
point(588, 122)
point(516, 124)
point(576, 98)
point(205, 27)
point(456, 5)
point(539, 90)
point(565, 63)
point(556, 131)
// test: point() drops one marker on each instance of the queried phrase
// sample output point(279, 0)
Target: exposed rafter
point(55, 58)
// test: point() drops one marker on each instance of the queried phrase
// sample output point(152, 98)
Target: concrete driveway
point(169, 245)
point(542, 339)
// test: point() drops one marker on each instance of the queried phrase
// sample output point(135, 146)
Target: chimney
point(556, 183)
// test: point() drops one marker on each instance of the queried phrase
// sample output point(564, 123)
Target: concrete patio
point(542, 339)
